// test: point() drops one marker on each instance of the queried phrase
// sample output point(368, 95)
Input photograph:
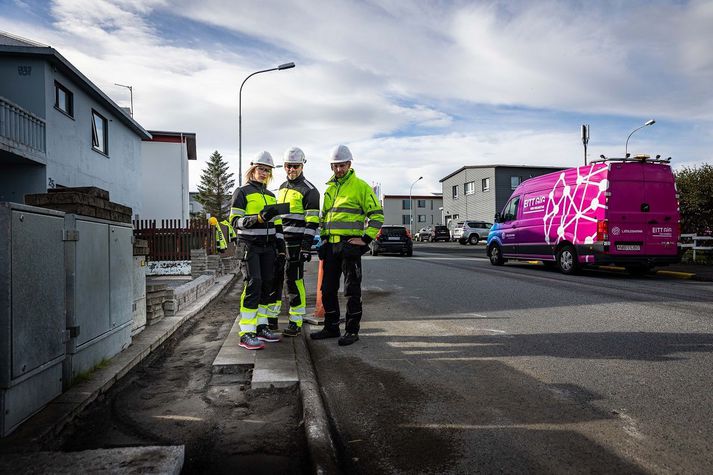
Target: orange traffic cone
point(318, 317)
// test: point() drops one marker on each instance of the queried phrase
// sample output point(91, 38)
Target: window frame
point(472, 188)
point(69, 95)
point(454, 191)
point(421, 220)
point(485, 184)
point(405, 219)
point(95, 134)
point(519, 180)
point(418, 204)
point(406, 204)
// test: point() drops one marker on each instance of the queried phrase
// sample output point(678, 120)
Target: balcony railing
point(21, 130)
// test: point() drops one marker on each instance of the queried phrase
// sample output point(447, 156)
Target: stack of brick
point(230, 264)
point(85, 201)
point(184, 294)
point(215, 264)
point(156, 295)
point(199, 262)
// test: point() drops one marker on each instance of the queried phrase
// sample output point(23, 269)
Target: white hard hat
point(295, 155)
point(340, 154)
point(263, 158)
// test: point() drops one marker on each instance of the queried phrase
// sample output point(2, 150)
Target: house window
point(486, 184)
point(469, 188)
point(405, 219)
point(100, 133)
point(421, 218)
point(405, 204)
point(421, 203)
point(455, 192)
point(515, 181)
point(63, 99)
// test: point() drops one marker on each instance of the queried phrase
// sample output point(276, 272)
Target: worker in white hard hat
point(299, 227)
point(351, 218)
point(259, 229)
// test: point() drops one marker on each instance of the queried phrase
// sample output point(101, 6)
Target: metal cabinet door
point(92, 312)
point(38, 287)
point(121, 260)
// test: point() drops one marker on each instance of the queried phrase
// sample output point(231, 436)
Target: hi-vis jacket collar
point(341, 180)
point(259, 184)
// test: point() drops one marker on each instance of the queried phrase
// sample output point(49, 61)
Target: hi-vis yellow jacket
point(300, 225)
point(350, 209)
point(249, 200)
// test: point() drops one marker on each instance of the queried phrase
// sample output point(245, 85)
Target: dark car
point(440, 233)
point(395, 239)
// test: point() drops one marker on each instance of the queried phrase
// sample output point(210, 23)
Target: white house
point(164, 175)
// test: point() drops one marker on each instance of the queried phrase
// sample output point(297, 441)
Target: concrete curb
point(61, 411)
point(320, 442)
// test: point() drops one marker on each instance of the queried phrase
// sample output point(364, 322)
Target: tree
point(216, 186)
point(695, 189)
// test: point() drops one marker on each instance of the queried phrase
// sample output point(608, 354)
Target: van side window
point(510, 213)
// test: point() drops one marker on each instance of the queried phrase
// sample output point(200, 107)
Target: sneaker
point(348, 339)
point(250, 342)
point(325, 333)
point(292, 329)
point(265, 334)
point(272, 323)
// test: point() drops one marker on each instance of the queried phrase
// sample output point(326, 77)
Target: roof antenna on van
point(585, 140)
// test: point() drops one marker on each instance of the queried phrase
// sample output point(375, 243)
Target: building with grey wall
point(58, 129)
point(426, 210)
point(477, 192)
point(164, 175)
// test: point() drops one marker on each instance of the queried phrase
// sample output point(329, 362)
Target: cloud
point(416, 88)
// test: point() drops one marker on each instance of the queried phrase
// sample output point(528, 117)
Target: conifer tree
point(215, 189)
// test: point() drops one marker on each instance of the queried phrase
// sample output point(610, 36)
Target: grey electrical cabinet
point(32, 311)
point(99, 259)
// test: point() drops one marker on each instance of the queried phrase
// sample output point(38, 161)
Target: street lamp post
point(131, 95)
point(240, 116)
point(410, 204)
point(626, 147)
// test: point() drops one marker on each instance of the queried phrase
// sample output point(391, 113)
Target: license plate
point(394, 238)
point(628, 247)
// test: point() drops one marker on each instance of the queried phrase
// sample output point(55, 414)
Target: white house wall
point(165, 181)
point(394, 212)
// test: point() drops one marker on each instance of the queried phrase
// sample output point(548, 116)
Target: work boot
point(272, 323)
point(292, 329)
point(325, 332)
point(264, 334)
point(348, 339)
point(249, 341)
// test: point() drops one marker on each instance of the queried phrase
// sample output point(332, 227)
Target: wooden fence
point(174, 238)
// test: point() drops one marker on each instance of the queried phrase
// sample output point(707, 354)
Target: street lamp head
point(420, 178)
point(650, 122)
point(286, 66)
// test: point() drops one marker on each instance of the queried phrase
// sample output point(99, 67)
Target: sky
point(414, 88)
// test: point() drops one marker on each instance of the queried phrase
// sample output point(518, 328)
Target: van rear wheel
point(567, 261)
point(473, 239)
point(496, 255)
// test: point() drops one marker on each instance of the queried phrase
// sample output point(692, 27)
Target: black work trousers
point(293, 269)
point(341, 258)
point(258, 269)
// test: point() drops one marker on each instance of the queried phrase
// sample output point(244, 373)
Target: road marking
point(427, 344)
point(179, 418)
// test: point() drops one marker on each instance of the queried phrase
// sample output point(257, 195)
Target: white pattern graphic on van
point(571, 205)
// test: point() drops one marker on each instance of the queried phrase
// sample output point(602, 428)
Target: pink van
point(615, 211)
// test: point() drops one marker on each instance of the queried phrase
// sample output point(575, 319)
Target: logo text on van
point(530, 205)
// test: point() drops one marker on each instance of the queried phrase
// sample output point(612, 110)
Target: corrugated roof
point(7, 39)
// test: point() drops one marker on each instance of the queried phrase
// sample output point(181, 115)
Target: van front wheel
point(567, 260)
point(496, 255)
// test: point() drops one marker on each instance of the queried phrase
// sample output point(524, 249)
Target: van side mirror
point(497, 217)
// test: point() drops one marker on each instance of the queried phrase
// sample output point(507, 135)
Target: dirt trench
point(173, 398)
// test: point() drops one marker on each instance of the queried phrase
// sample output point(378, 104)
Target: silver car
point(471, 232)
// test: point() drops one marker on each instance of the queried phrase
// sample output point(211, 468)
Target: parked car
point(423, 234)
point(614, 211)
point(471, 232)
point(433, 234)
point(395, 239)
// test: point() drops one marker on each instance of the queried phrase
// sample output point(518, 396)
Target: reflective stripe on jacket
point(351, 209)
point(249, 200)
point(303, 220)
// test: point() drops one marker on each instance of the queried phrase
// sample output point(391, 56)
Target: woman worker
point(259, 228)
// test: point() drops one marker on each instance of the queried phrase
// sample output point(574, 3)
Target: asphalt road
point(464, 367)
